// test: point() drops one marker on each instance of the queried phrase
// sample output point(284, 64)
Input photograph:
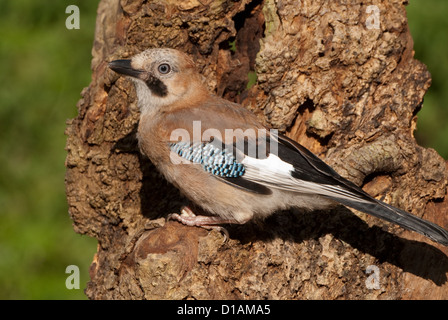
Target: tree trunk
point(346, 88)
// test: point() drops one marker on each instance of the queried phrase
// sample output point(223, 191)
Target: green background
point(44, 67)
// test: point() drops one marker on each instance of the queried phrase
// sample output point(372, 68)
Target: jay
point(225, 161)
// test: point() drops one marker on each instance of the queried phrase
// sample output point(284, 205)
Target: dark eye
point(164, 68)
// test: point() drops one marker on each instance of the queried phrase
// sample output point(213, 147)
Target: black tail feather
point(402, 218)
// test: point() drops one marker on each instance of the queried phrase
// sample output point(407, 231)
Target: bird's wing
point(290, 166)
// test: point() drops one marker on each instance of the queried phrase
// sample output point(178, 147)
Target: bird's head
point(162, 77)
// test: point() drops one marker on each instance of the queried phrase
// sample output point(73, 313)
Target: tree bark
point(347, 92)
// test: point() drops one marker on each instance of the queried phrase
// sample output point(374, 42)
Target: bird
point(225, 161)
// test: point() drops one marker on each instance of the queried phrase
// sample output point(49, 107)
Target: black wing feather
point(246, 185)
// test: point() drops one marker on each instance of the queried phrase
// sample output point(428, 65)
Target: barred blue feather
point(217, 161)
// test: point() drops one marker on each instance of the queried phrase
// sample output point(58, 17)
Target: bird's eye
point(164, 68)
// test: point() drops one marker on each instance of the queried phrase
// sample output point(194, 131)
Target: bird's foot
point(188, 218)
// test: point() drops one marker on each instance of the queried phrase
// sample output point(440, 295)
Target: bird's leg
point(189, 218)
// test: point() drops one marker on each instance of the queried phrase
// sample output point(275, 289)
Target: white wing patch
point(276, 173)
point(272, 164)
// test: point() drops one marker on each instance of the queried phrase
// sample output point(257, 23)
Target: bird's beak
point(123, 66)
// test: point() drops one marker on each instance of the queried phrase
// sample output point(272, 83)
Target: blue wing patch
point(217, 161)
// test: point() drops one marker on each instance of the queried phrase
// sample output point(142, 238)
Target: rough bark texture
point(348, 93)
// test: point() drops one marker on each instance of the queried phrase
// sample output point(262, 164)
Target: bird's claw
point(187, 217)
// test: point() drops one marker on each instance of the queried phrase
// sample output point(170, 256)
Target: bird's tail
point(402, 218)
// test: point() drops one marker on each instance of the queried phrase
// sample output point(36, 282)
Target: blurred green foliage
point(44, 67)
point(429, 28)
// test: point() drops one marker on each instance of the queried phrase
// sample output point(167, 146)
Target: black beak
point(123, 66)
